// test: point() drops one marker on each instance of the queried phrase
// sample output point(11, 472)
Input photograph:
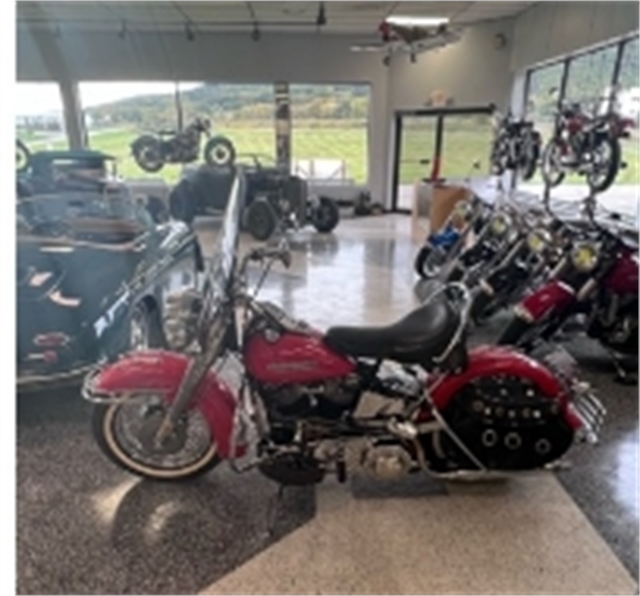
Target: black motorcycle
point(152, 152)
point(516, 146)
point(495, 238)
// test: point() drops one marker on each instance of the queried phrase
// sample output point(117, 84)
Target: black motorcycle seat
point(417, 338)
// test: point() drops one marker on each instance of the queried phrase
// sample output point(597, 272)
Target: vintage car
point(274, 200)
point(94, 271)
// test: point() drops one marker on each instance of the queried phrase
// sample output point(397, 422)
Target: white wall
point(472, 71)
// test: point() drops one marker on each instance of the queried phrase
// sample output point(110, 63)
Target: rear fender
point(491, 361)
point(554, 296)
point(161, 371)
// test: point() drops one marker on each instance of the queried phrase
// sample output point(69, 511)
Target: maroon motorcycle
point(294, 405)
point(586, 145)
point(598, 279)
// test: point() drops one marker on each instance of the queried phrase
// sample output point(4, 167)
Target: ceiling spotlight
point(321, 19)
point(188, 30)
point(408, 21)
point(255, 34)
point(123, 30)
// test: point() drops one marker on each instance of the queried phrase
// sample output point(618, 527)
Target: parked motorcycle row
point(552, 271)
point(292, 410)
point(580, 143)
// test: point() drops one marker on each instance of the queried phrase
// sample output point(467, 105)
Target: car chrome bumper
point(28, 382)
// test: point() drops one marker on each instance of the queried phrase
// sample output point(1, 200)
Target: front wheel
point(551, 166)
point(426, 263)
point(606, 163)
point(519, 333)
point(220, 152)
point(125, 432)
point(326, 215)
point(529, 161)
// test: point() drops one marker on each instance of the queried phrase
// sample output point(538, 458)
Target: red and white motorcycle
point(448, 411)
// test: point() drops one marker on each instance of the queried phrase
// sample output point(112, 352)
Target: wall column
point(72, 111)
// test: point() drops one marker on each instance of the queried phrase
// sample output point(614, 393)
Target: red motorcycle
point(586, 145)
point(447, 411)
point(598, 279)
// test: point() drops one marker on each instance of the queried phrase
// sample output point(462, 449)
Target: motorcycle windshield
point(222, 266)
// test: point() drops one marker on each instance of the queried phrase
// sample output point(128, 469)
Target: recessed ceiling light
point(416, 21)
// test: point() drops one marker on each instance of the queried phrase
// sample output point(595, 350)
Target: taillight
point(51, 340)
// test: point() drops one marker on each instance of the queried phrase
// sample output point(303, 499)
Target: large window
point(116, 113)
point(589, 78)
point(330, 125)
point(244, 113)
point(39, 118)
point(466, 141)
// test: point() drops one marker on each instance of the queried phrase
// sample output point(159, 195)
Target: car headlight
point(538, 240)
point(584, 257)
point(500, 224)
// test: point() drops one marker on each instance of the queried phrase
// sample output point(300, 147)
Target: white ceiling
point(361, 17)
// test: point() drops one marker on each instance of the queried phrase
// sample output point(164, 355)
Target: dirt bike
point(152, 152)
point(587, 145)
point(447, 411)
point(516, 146)
point(597, 278)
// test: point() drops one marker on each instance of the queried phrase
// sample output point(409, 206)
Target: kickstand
point(273, 511)
point(622, 377)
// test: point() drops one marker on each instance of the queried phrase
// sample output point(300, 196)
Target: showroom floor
point(84, 526)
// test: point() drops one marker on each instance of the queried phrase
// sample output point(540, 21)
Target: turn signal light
point(51, 340)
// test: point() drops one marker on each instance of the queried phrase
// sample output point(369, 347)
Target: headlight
point(500, 224)
point(584, 257)
point(538, 240)
point(462, 210)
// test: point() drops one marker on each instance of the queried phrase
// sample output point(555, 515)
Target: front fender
point(161, 371)
point(491, 361)
point(553, 296)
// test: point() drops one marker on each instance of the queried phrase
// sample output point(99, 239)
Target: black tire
point(23, 156)
point(480, 310)
point(423, 263)
point(147, 153)
point(326, 216)
point(219, 152)
point(519, 333)
point(181, 203)
point(552, 175)
point(103, 421)
point(261, 220)
point(456, 274)
point(530, 162)
point(612, 167)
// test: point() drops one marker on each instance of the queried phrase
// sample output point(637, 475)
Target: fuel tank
point(283, 358)
point(623, 277)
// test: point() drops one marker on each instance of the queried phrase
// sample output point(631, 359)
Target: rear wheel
point(551, 167)
point(326, 215)
point(147, 153)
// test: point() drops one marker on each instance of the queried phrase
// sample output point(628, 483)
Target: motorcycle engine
point(505, 422)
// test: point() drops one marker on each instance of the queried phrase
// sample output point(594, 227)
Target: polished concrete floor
point(84, 526)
